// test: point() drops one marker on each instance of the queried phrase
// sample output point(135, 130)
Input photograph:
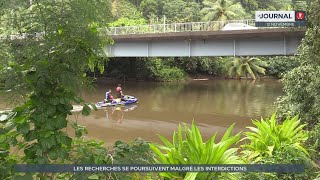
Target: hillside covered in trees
point(134, 12)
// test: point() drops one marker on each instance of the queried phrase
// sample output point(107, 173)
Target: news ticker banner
point(280, 18)
point(54, 168)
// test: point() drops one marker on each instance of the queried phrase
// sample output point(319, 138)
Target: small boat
point(126, 100)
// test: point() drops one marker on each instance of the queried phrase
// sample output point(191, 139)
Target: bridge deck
point(272, 32)
point(258, 42)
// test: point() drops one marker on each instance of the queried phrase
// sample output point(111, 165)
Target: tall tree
point(250, 6)
point(272, 5)
point(150, 8)
point(296, 5)
point(302, 84)
point(50, 67)
point(181, 11)
point(221, 10)
point(125, 9)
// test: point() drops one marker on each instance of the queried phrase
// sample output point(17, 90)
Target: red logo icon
point(300, 15)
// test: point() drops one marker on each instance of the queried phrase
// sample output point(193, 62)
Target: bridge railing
point(175, 27)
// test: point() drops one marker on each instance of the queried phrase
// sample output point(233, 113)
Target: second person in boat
point(119, 91)
point(109, 97)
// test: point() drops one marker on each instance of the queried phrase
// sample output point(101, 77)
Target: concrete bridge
point(203, 39)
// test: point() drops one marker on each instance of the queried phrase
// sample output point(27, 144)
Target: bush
point(137, 152)
point(279, 65)
point(273, 143)
point(159, 69)
point(269, 138)
point(314, 142)
point(169, 74)
point(301, 86)
point(192, 150)
point(87, 152)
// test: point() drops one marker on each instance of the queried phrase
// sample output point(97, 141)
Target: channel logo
point(300, 16)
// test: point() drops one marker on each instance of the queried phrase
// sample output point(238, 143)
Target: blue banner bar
point(280, 168)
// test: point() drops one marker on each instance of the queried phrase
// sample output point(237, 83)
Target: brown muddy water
point(214, 105)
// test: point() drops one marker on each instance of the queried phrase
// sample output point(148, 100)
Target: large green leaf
point(191, 175)
point(258, 69)
point(227, 133)
point(248, 68)
point(166, 142)
point(162, 157)
point(192, 150)
point(86, 110)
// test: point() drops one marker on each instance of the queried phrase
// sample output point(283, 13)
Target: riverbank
point(196, 77)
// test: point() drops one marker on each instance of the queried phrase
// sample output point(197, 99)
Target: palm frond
point(259, 62)
point(257, 69)
point(249, 70)
point(240, 70)
point(232, 71)
point(224, 10)
point(237, 9)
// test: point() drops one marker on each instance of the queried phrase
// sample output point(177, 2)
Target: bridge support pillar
point(148, 48)
point(234, 48)
point(284, 46)
point(189, 42)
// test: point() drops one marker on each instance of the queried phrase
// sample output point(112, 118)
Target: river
point(213, 105)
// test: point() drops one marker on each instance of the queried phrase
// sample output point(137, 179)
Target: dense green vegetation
point(271, 142)
point(268, 138)
point(278, 66)
point(195, 10)
point(136, 152)
point(47, 71)
point(302, 83)
point(214, 67)
point(268, 142)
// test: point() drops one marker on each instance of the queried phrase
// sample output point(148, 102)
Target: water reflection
point(117, 113)
point(213, 104)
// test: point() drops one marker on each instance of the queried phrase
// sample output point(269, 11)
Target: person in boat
point(119, 91)
point(109, 97)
